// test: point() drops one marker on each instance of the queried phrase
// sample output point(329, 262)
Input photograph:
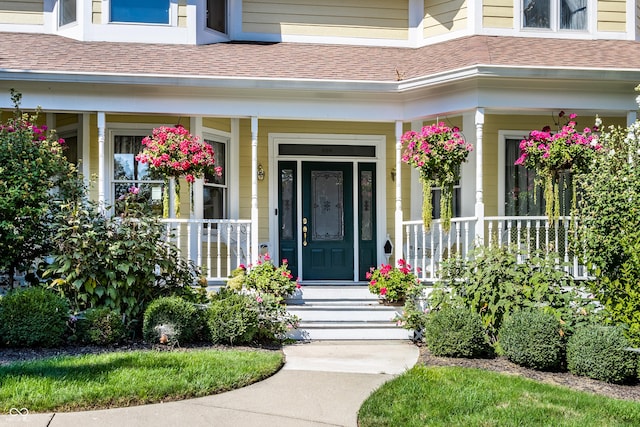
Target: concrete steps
point(343, 312)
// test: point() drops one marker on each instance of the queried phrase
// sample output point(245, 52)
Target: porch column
point(197, 188)
point(102, 167)
point(254, 188)
point(479, 211)
point(397, 244)
point(85, 133)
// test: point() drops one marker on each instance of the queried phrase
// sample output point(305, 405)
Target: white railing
point(217, 246)
point(425, 251)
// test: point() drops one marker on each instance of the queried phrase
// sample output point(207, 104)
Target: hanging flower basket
point(552, 154)
point(173, 152)
point(437, 151)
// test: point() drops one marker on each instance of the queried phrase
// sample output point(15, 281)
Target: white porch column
point(254, 188)
point(416, 186)
point(198, 186)
point(479, 211)
point(397, 244)
point(102, 167)
point(85, 135)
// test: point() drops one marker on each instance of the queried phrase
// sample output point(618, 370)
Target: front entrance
point(337, 220)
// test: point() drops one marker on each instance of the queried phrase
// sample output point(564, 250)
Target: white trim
point(234, 168)
point(378, 141)
point(85, 132)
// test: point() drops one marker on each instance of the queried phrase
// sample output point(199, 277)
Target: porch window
point(67, 12)
point(555, 14)
point(217, 15)
point(215, 187)
point(128, 172)
point(522, 196)
point(142, 11)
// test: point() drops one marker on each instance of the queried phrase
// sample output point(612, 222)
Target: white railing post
point(479, 208)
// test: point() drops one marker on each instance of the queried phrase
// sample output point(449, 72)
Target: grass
point(72, 383)
point(453, 396)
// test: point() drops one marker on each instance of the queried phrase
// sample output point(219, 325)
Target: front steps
point(343, 312)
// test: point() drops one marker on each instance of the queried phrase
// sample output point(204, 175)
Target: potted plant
point(391, 284)
point(552, 154)
point(437, 151)
point(173, 152)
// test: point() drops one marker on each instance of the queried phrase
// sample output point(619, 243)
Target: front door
point(327, 221)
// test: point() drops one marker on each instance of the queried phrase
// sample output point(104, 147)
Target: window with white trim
point(140, 11)
point(128, 172)
point(215, 193)
point(66, 12)
point(217, 15)
point(556, 15)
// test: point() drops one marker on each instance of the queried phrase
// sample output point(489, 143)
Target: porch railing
point(425, 251)
point(217, 246)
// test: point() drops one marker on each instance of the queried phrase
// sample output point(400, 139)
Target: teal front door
point(327, 221)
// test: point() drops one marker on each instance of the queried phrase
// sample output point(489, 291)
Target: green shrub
point(264, 277)
point(171, 320)
point(33, 317)
point(232, 318)
point(533, 338)
point(598, 352)
point(100, 326)
point(456, 332)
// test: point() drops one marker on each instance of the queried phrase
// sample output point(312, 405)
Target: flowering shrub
point(174, 152)
point(392, 283)
point(552, 153)
point(265, 277)
point(437, 151)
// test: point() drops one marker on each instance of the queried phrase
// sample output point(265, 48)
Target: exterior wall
point(497, 13)
point(612, 15)
point(96, 11)
point(182, 13)
point(217, 123)
point(444, 16)
point(66, 120)
point(29, 12)
point(521, 125)
point(380, 19)
point(637, 19)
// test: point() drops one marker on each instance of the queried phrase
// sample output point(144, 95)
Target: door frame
point(378, 141)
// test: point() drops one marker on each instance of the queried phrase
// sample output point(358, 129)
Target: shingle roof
point(38, 52)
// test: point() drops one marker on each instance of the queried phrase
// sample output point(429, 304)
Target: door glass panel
point(327, 188)
point(287, 192)
point(366, 198)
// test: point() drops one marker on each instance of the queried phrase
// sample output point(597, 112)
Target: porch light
point(260, 172)
point(393, 174)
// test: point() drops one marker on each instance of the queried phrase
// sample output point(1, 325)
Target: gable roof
point(51, 54)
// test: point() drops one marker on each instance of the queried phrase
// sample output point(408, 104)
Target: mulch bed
point(566, 379)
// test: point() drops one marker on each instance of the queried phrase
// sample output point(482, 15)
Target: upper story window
point(217, 15)
point(555, 14)
point(67, 12)
point(142, 11)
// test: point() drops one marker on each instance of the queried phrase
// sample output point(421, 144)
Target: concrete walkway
point(322, 384)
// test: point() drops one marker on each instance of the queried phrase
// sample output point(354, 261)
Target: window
point(215, 187)
point(127, 173)
point(555, 14)
point(67, 12)
point(144, 11)
point(522, 196)
point(217, 15)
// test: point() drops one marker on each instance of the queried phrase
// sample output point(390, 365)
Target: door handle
point(304, 231)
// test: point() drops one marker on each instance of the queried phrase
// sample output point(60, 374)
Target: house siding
point(66, 120)
point(380, 19)
point(497, 14)
point(182, 13)
point(612, 15)
point(96, 12)
point(25, 12)
point(443, 16)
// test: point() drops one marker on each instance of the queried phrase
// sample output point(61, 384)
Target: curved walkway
point(322, 384)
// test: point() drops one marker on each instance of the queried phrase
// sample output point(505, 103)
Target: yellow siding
point(612, 15)
point(637, 17)
point(443, 16)
point(217, 123)
point(66, 120)
point(380, 19)
point(497, 14)
point(26, 12)
point(182, 13)
point(96, 11)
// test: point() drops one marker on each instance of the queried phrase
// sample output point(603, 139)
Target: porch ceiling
point(487, 71)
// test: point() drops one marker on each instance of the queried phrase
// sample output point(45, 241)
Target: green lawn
point(129, 378)
point(453, 396)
